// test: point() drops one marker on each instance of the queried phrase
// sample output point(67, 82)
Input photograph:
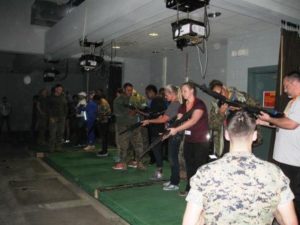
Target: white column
point(164, 71)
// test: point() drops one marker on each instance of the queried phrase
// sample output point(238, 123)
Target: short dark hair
point(119, 90)
point(240, 124)
point(96, 97)
point(293, 75)
point(127, 85)
point(58, 85)
point(215, 83)
point(151, 87)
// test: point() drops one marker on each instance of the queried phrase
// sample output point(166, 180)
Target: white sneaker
point(89, 148)
point(157, 176)
point(166, 184)
point(171, 187)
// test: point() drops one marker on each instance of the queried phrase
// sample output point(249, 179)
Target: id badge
point(187, 132)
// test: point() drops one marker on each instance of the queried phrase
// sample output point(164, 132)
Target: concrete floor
point(31, 193)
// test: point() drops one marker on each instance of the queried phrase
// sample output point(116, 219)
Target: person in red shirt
point(196, 145)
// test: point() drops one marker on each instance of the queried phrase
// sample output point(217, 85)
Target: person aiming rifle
point(219, 110)
point(196, 145)
point(173, 96)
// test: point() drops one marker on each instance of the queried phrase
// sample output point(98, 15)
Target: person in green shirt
point(57, 111)
point(125, 117)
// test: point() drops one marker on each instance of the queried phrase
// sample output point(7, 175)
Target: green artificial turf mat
point(131, 194)
point(91, 172)
point(146, 205)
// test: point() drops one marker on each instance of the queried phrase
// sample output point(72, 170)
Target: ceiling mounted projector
point(50, 74)
point(186, 5)
point(188, 32)
point(90, 62)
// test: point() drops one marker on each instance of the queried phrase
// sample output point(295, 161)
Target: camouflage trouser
point(56, 132)
point(42, 123)
point(135, 138)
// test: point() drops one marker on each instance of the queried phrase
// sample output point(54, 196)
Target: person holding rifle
point(287, 146)
point(125, 117)
point(196, 145)
point(219, 111)
point(174, 97)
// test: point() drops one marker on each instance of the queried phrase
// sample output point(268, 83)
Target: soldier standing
point(57, 111)
point(219, 111)
point(124, 118)
point(42, 117)
point(240, 188)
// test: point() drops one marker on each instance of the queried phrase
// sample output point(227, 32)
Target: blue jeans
point(91, 132)
point(173, 148)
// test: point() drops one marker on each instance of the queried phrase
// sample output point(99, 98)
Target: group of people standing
point(239, 188)
point(176, 102)
point(61, 118)
point(236, 189)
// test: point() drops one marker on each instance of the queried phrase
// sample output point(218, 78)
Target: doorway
point(261, 79)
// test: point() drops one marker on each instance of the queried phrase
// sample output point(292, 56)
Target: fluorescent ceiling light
point(116, 47)
point(214, 14)
point(153, 34)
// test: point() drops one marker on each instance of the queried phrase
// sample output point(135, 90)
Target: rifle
point(145, 112)
point(138, 124)
point(131, 128)
point(166, 133)
point(250, 109)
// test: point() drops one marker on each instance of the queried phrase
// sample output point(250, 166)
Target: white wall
point(176, 70)
point(137, 72)
point(17, 35)
point(263, 50)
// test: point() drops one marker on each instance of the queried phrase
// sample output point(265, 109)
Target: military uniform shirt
point(239, 189)
point(122, 112)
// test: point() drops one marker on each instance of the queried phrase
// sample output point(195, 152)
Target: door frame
point(251, 72)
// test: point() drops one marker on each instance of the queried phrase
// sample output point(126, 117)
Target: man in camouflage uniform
point(57, 110)
point(240, 188)
point(42, 117)
point(125, 117)
point(218, 114)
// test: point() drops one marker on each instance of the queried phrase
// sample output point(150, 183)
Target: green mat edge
point(69, 176)
point(119, 210)
point(103, 198)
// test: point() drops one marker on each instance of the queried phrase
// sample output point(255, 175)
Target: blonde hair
point(176, 90)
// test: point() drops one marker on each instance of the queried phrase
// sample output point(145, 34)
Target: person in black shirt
point(156, 105)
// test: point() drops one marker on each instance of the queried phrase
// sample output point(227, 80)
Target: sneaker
point(171, 187)
point(183, 193)
point(89, 148)
point(102, 154)
point(157, 176)
point(141, 166)
point(133, 164)
point(166, 184)
point(67, 141)
point(120, 166)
